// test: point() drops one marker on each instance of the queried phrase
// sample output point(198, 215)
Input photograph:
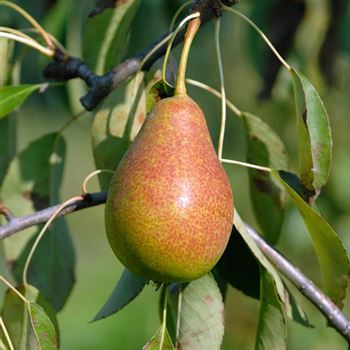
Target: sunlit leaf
point(200, 315)
point(265, 148)
point(28, 324)
point(329, 249)
point(32, 183)
point(6, 49)
point(314, 134)
point(12, 96)
point(160, 341)
point(116, 124)
point(106, 35)
point(127, 289)
point(271, 333)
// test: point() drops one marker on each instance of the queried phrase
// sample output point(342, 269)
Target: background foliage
point(97, 268)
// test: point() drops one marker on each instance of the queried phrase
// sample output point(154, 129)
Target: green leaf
point(292, 310)
point(265, 148)
point(116, 124)
point(6, 50)
point(239, 267)
point(329, 249)
point(12, 96)
point(157, 91)
point(16, 317)
point(76, 88)
point(28, 325)
point(314, 134)
point(243, 230)
point(8, 136)
point(127, 289)
point(32, 183)
point(155, 342)
point(200, 315)
point(44, 330)
point(52, 267)
point(271, 333)
point(106, 36)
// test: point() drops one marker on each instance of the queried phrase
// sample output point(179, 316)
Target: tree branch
point(65, 67)
point(326, 306)
point(17, 224)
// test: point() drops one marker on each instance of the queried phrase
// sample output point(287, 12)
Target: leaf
point(265, 148)
point(32, 183)
point(291, 308)
point(157, 91)
point(201, 315)
point(239, 267)
point(8, 136)
point(243, 230)
point(28, 325)
point(106, 35)
point(12, 96)
point(155, 342)
point(6, 50)
point(271, 333)
point(76, 88)
point(329, 249)
point(52, 267)
point(127, 289)
point(314, 134)
point(16, 317)
point(116, 124)
point(44, 331)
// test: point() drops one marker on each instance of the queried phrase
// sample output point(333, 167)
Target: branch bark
point(325, 305)
point(65, 67)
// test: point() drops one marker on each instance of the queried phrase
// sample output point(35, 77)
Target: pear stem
point(192, 29)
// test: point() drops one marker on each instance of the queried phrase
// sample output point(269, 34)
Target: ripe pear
point(169, 207)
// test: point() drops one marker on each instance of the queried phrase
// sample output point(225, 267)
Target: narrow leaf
point(127, 289)
point(12, 96)
point(272, 325)
point(314, 134)
point(201, 315)
point(329, 249)
point(267, 197)
point(160, 341)
point(32, 183)
point(106, 35)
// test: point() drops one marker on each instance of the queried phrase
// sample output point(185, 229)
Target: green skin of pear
point(169, 207)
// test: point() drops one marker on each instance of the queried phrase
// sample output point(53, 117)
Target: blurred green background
point(97, 269)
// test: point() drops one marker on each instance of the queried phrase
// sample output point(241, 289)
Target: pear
point(169, 207)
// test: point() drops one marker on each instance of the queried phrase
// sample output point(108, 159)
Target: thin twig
point(333, 314)
point(20, 223)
